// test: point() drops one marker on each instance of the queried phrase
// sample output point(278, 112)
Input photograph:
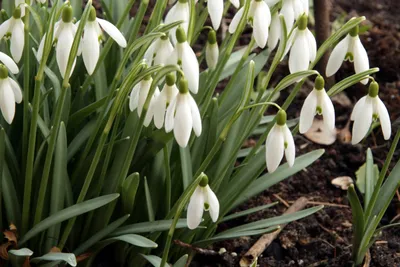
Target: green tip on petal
point(3, 72)
point(302, 22)
point(67, 13)
point(354, 32)
point(281, 117)
point(183, 1)
point(180, 35)
point(204, 181)
point(170, 79)
point(92, 14)
point(183, 86)
point(212, 37)
point(17, 13)
point(164, 37)
point(319, 83)
point(373, 89)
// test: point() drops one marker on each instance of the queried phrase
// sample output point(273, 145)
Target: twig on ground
point(281, 200)
point(367, 260)
point(331, 232)
point(325, 204)
point(202, 251)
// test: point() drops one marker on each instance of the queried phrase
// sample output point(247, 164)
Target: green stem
point(167, 179)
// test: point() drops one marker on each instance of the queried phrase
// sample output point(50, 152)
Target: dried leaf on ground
point(319, 134)
point(343, 182)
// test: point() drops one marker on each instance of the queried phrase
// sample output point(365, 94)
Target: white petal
point(148, 56)
point(170, 116)
point(195, 208)
point(16, 90)
point(290, 41)
point(212, 54)
point(17, 40)
point(39, 53)
point(384, 119)
point(183, 122)
point(215, 9)
point(362, 122)
point(190, 67)
point(235, 21)
point(290, 150)
point(305, 6)
point(358, 107)
point(307, 112)
point(213, 203)
point(90, 48)
point(160, 105)
point(337, 56)
point(361, 62)
point(274, 32)
point(63, 50)
point(328, 111)
point(312, 45)
point(165, 50)
point(4, 27)
point(113, 31)
point(9, 63)
point(180, 11)
point(299, 54)
point(271, 3)
point(274, 148)
point(262, 19)
point(288, 13)
point(134, 96)
point(235, 3)
point(150, 111)
point(7, 101)
point(195, 116)
point(298, 8)
point(143, 93)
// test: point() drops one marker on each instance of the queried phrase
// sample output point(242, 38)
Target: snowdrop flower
point(10, 93)
point(14, 27)
point(274, 31)
point(64, 33)
point(164, 99)
point(184, 56)
point(303, 47)
point(183, 115)
point(180, 11)
point(203, 199)
point(279, 141)
point(350, 48)
point(366, 110)
point(292, 9)
point(159, 51)
point(90, 45)
point(138, 97)
point(317, 102)
point(212, 50)
point(260, 18)
point(216, 10)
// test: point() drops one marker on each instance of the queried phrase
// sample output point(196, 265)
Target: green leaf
point(293, 78)
point(149, 204)
point(128, 192)
point(248, 211)
point(147, 227)
point(57, 256)
point(181, 262)
point(133, 239)
point(10, 196)
point(366, 238)
point(360, 175)
point(186, 165)
point(154, 260)
point(232, 235)
point(68, 213)
point(370, 178)
point(358, 218)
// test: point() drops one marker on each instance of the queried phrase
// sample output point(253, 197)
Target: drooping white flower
point(179, 12)
point(260, 17)
point(302, 45)
point(159, 52)
point(292, 9)
point(14, 27)
point(90, 45)
point(138, 97)
point(185, 57)
point(216, 10)
point(279, 142)
point(64, 34)
point(183, 115)
point(10, 93)
point(366, 110)
point(9, 63)
point(274, 31)
point(203, 199)
point(164, 99)
point(317, 102)
point(212, 50)
point(350, 48)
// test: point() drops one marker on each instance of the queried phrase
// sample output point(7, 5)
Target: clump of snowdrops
point(112, 134)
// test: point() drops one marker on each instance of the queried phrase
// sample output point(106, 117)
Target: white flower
point(260, 16)
point(9, 63)
point(14, 27)
point(138, 97)
point(350, 48)
point(303, 47)
point(212, 50)
point(216, 10)
point(274, 31)
point(367, 109)
point(292, 9)
point(279, 141)
point(317, 102)
point(164, 99)
point(10, 93)
point(180, 11)
point(203, 198)
point(159, 51)
point(183, 115)
point(64, 33)
point(90, 45)
point(184, 56)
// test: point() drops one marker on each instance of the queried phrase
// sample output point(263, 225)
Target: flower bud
point(373, 90)
point(92, 14)
point(67, 14)
point(354, 32)
point(170, 79)
point(180, 35)
point(319, 83)
point(281, 117)
point(302, 22)
point(17, 13)
point(212, 50)
point(204, 181)
point(3, 72)
point(183, 86)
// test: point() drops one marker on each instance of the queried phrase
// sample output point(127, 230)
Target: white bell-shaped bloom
point(164, 99)
point(139, 94)
point(367, 109)
point(185, 57)
point(260, 17)
point(90, 45)
point(203, 199)
point(159, 52)
point(9, 63)
point(303, 47)
point(64, 34)
point(212, 50)
point(317, 102)
point(179, 12)
point(279, 142)
point(350, 48)
point(292, 9)
point(216, 10)
point(14, 27)
point(274, 31)
point(183, 115)
point(10, 93)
